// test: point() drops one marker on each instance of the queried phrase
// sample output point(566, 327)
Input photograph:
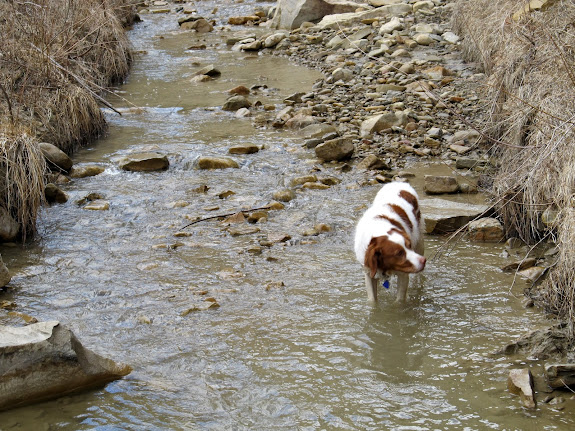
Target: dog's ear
point(372, 256)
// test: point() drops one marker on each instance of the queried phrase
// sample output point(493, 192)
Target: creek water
point(294, 344)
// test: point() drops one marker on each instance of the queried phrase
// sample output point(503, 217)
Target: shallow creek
point(294, 344)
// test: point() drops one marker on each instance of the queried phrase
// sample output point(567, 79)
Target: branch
point(267, 207)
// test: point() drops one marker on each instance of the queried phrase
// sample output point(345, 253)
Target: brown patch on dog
point(412, 200)
point(394, 223)
point(402, 214)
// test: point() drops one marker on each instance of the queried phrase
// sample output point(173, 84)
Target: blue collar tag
point(386, 284)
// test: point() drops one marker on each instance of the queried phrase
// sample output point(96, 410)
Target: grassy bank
point(528, 57)
point(56, 59)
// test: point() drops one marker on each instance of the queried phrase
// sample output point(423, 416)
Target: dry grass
point(57, 57)
point(531, 86)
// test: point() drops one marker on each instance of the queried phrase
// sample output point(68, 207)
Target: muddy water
point(293, 345)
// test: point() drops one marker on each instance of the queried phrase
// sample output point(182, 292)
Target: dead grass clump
point(56, 59)
point(22, 173)
point(531, 86)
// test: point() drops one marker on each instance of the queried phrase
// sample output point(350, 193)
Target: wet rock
point(520, 382)
point(520, 265)
point(236, 102)
point(243, 230)
point(45, 360)
point(284, 195)
point(272, 40)
point(486, 229)
point(5, 276)
point(443, 216)
point(244, 149)
point(469, 163)
point(240, 90)
point(243, 20)
point(97, 205)
point(560, 376)
point(439, 184)
point(335, 150)
point(56, 158)
point(86, 171)
point(9, 228)
point(144, 162)
point(217, 163)
point(318, 130)
point(54, 194)
point(540, 344)
point(300, 121)
point(534, 274)
point(208, 304)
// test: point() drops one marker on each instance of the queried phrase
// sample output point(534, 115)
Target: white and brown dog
point(389, 238)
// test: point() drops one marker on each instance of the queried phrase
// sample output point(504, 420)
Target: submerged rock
point(45, 360)
point(5, 276)
point(54, 194)
point(217, 163)
point(144, 162)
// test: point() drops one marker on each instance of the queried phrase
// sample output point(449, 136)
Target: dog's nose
point(423, 261)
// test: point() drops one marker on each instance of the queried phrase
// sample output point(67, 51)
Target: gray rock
point(390, 26)
point(438, 184)
point(209, 70)
point(291, 14)
point(56, 158)
point(200, 25)
point(45, 360)
point(144, 162)
point(381, 122)
point(316, 131)
point(443, 216)
point(86, 171)
point(560, 375)
point(272, 40)
point(335, 150)
point(372, 162)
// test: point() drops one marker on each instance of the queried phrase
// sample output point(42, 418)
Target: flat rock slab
point(443, 216)
point(45, 360)
point(145, 162)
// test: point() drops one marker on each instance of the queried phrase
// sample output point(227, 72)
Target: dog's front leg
point(402, 284)
point(371, 287)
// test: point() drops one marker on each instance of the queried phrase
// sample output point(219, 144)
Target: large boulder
point(291, 14)
point(56, 158)
point(443, 216)
point(520, 382)
point(45, 360)
point(335, 150)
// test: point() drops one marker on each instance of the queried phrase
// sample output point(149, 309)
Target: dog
point(389, 238)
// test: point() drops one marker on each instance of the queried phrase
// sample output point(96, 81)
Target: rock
point(284, 195)
point(533, 5)
point(144, 162)
point(209, 70)
point(438, 184)
point(520, 265)
point(240, 90)
point(466, 136)
point(236, 102)
point(243, 20)
point(423, 39)
point(372, 162)
point(217, 163)
point(56, 158)
point(45, 360)
point(55, 194)
point(97, 205)
point(335, 150)
point(438, 72)
point(560, 376)
point(534, 273)
point(244, 149)
point(300, 121)
point(381, 122)
point(390, 26)
point(342, 74)
point(243, 113)
point(450, 37)
point(272, 40)
point(443, 216)
point(339, 20)
point(317, 130)
point(520, 382)
point(460, 149)
point(469, 163)
point(486, 229)
point(5, 276)
point(291, 14)
point(200, 25)
point(423, 5)
point(86, 171)
point(9, 228)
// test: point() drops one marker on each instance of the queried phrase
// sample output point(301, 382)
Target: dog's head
point(390, 254)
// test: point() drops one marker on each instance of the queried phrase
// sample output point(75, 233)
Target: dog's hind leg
point(371, 287)
point(402, 284)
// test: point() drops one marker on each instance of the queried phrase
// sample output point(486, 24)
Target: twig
point(267, 207)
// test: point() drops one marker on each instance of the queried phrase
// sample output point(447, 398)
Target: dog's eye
point(400, 252)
